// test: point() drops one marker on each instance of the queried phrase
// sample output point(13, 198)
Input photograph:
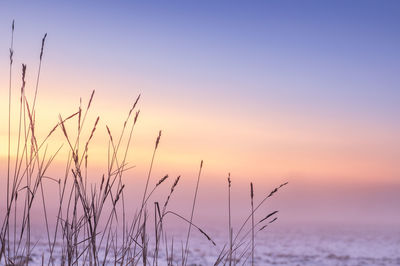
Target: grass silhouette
point(92, 225)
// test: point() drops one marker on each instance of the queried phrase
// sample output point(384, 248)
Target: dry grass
point(92, 225)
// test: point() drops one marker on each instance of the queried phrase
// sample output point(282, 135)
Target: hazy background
point(269, 91)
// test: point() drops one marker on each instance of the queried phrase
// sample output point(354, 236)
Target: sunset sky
point(270, 91)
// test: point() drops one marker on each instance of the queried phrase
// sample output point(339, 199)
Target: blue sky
point(322, 53)
point(316, 82)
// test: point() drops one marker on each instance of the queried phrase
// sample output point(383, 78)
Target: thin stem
point(191, 216)
point(252, 223)
point(147, 184)
point(9, 128)
point(230, 220)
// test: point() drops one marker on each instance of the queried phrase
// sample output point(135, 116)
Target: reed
point(93, 225)
point(252, 222)
point(2, 238)
point(229, 220)
point(191, 215)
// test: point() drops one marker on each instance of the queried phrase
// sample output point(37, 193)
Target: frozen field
point(284, 245)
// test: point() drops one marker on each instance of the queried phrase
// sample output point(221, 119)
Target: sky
point(270, 91)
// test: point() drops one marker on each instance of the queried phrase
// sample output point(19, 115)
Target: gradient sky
point(272, 91)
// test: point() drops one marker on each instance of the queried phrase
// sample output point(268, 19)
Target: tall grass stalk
point(2, 238)
point(252, 222)
point(229, 220)
point(191, 215)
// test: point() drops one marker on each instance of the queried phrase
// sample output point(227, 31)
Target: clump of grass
point(92, 225)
